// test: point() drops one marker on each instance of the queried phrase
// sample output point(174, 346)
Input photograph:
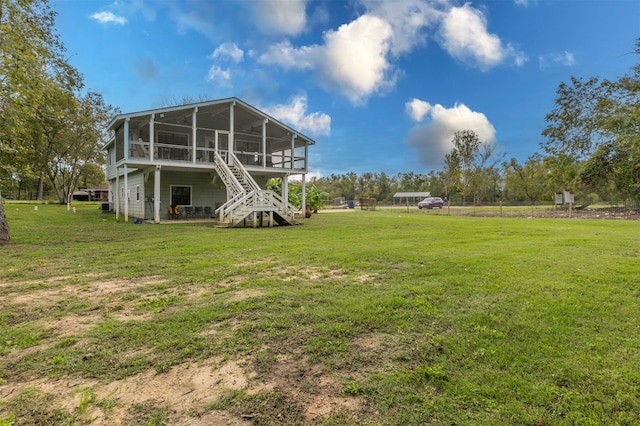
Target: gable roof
point(120, 118)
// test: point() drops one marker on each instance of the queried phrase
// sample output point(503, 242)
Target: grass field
point(370, 318)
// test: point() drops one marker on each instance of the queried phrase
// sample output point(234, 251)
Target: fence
point(597, 211)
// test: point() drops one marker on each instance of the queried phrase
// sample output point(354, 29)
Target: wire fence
point(595, 211)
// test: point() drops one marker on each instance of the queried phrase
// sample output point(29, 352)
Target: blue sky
point(380, 85)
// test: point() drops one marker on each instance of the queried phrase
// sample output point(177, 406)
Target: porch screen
point(181, 195)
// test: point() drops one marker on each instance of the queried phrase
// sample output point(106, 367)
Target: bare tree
point(173, 100)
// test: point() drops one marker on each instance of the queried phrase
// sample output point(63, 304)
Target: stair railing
point(227, 176)
point(235, 162)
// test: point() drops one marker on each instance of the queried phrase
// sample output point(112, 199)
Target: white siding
point(111, 161)
point(136, 208)
point(204, 192)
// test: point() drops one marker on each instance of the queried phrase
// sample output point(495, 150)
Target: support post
point(126, 194)
point(264, 142)
point(285, 191)
point(152, 137)
point(232, 137)
point(304, 193)
point(126, 138)
point(156, 194)
point(293, 148)
point(117, 194)
point(194, 133)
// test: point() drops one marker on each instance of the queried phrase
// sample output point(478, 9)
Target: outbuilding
point(409, 197)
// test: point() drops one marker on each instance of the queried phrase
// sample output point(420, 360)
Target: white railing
point(230, 181)
point(242, 205)
point(235, 162)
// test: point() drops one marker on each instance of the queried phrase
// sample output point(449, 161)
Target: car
point(431, 202)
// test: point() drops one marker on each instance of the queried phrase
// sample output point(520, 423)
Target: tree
point(31, 61)
point(486, 177)
point(315, 198)
point(5, 236)
point(451, 172)
point(50, 130)
point(528, 180)
point(30, 51)
point(77, 150)
point(294, 193)
point(595, 124)
point(466, 146)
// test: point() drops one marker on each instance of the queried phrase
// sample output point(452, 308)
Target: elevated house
point(211, 159)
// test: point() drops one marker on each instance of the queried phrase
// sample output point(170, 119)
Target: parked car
point(431, 202)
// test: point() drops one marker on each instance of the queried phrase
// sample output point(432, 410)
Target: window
point(173, 138)
point(180, 195)
point(137, 192)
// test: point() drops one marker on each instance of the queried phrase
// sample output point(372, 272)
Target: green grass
point(427, 318)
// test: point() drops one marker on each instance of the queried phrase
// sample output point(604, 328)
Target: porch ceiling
point(215, 115)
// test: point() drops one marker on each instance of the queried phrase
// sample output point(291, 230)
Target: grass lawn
point(369, 318)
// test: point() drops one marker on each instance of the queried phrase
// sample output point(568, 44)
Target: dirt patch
point(185, 391)
point(52, 291)
point(245, 294)
point(310, 386)
point(69, 306)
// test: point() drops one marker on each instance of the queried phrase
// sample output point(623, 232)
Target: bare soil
point(186, 393)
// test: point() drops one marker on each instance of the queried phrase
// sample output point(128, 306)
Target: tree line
point(591, 148)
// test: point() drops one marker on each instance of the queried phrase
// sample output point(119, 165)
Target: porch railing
point(161, 151)
point(139, 150)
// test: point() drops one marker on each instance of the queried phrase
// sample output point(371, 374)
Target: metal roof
point(411, 194)
point(118, 119)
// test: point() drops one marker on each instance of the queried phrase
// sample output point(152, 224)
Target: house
point(99, 193)
point(212, 159)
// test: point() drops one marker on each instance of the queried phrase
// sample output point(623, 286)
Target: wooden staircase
point(245, 199)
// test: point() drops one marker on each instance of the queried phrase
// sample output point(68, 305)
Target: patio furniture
point(208, 213)
point(188, 211)
point(198, 212)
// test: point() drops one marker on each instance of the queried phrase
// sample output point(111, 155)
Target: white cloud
point(219, 77)
point(228, 49)
point(563, 58)
point(524, 3)
point(281, 16)
point(288, 56)
point(408, 20)
point(356, 60)
point(295, 114)
point(353, 60)
point(417, 109)
point(109, 18)
point(464, 35)
point(433, 138)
